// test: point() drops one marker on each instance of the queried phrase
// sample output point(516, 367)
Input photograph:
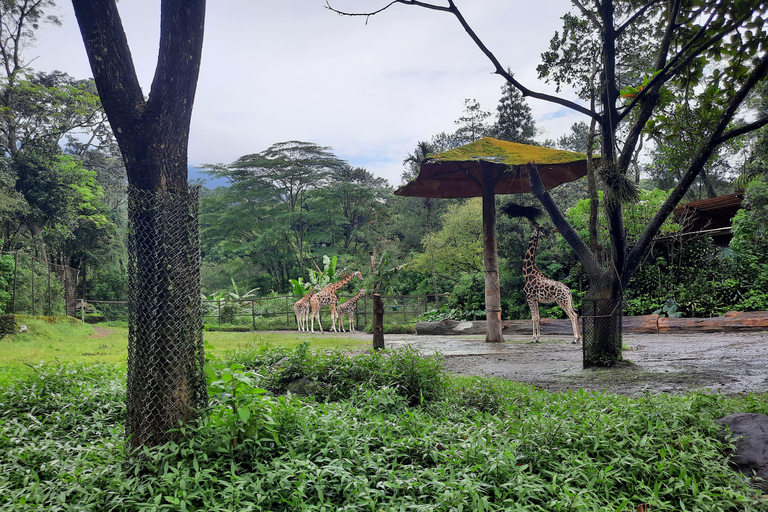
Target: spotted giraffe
point(327, 297)
point(539, 288)
point(348, 309)
point(302, 308)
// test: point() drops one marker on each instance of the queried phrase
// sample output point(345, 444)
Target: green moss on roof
point(509, 153)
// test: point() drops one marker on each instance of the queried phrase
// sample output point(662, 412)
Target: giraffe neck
point(338, 285)
point(530, 270)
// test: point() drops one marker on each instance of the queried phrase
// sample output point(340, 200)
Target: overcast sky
point(274, 71)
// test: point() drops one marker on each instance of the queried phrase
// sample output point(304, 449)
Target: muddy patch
point(657, 363)
point(100, 332)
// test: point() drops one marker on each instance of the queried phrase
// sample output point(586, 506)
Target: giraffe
point(348, 308)
point(327, 297)
point(302, 308)
point(538, 288)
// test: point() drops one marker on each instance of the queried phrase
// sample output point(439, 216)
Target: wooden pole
point(491, 260)
point(378, 322)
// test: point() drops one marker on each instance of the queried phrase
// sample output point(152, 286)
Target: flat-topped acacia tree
point(165, 353)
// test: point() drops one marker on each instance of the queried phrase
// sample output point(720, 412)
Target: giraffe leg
point(316, 313)
point(575, 323)
point(352, 322)
point(340, 316)
point(533, 304)
point(567, 305)
point(333, 317)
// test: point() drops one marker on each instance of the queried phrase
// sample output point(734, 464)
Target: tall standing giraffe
point(348, 308)
point(327, 297)
point(539, 288)
point(302, 307)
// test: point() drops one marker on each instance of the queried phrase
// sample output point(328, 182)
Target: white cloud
point(275, 71)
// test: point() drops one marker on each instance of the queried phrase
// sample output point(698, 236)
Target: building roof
point(710, 216)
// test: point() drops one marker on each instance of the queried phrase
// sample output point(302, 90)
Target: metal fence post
point(15, 278)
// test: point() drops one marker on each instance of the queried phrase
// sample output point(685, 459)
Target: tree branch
point(718, 135)
point(175, 81)
point(583, 252)
point(620, 30)
point(741, 130)
point(111, 61)
point(589, 15)
point(451, 8)
point(673, 67)
point(651, 93)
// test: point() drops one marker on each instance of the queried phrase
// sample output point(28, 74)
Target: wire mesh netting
point(601, 331)
point(165, 338)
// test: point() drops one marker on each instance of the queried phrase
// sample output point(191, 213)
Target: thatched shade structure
point(485, 168)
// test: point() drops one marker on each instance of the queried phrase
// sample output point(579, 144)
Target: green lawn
point(61, 339)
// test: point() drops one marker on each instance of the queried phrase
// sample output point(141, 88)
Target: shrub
point(340, 375)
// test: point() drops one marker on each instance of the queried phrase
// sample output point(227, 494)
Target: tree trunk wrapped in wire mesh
point(601, 331)
point(166, 383)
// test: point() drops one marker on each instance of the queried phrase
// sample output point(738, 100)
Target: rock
point(303, 386)
point(450, 327)
point(750, 455)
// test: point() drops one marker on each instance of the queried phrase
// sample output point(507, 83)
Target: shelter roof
point(459, 172)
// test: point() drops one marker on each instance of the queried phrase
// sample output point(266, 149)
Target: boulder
point(750, 455)
point(303, 386)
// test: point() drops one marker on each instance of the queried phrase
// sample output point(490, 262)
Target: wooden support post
point(378, 322)
point(490, 259)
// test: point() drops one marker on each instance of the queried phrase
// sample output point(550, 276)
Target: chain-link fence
point(39, 287)
point(165, 381)
point(276, 313)
point(601, 323)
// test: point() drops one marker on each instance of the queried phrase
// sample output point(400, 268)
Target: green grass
point(52, 339)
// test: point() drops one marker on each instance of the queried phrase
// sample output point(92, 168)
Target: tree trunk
point(165, 351)
point(601, 318)
point(378, 322)
point(165, 339)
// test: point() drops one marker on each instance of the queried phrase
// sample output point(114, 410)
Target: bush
point(394, 329)
point(340, 375)
point(94, 318)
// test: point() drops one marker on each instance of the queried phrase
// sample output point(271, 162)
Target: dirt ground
point(661, 363)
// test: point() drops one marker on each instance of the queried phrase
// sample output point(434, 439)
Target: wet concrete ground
point(669, 363)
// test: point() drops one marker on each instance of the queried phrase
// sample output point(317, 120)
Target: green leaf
point(244, 413)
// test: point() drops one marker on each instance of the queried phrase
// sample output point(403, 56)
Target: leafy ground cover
point(387, 431)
